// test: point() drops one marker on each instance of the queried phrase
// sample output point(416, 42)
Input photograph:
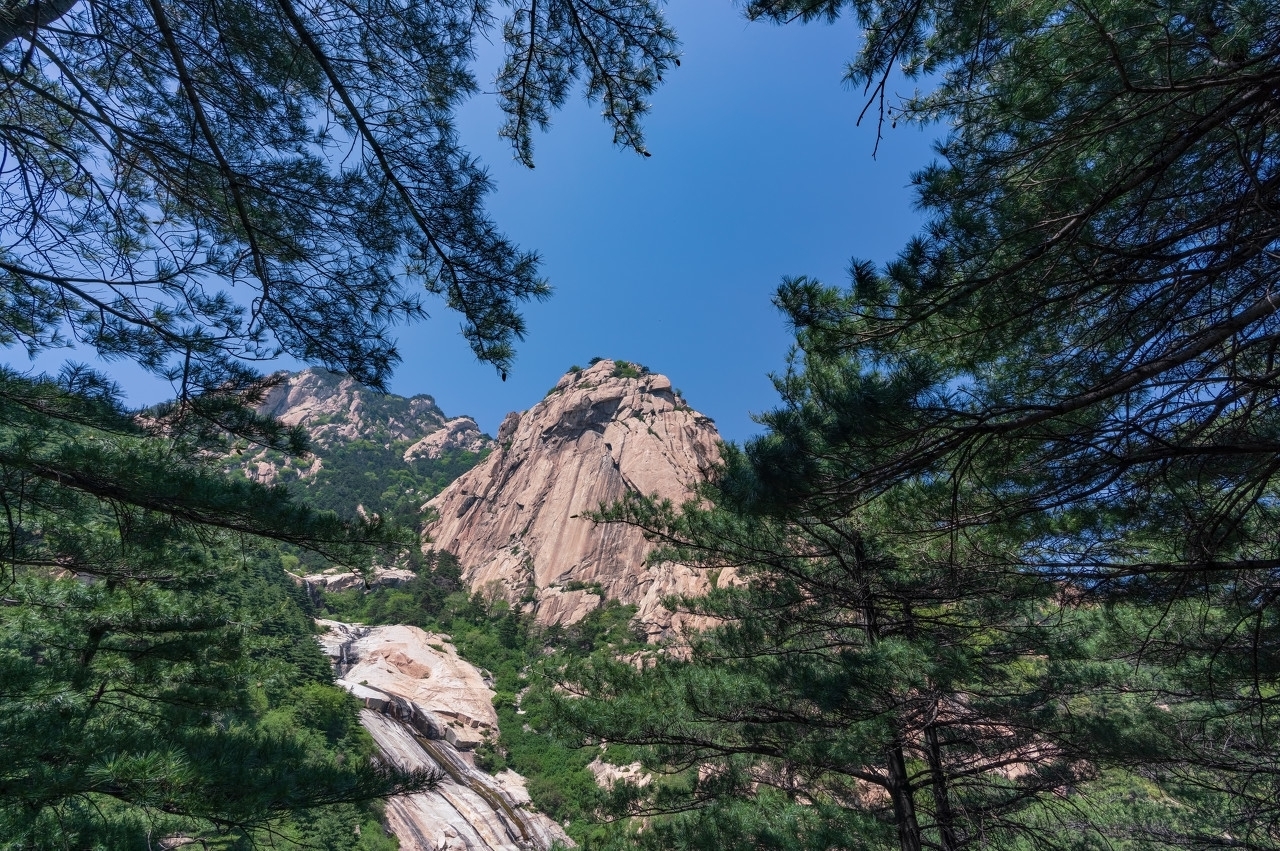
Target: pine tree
point(1051, 426)
point(189, 183)
point(866, 686)
point(137, 647)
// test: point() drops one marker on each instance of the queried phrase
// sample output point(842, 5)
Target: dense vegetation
point(1008, 560)
point(376, 476)
point(159, 676)
point(155, 156)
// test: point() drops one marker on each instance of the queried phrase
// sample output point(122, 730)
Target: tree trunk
point(944, 815)
point(904, 805)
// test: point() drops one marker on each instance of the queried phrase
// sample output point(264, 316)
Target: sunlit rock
point(516, 521)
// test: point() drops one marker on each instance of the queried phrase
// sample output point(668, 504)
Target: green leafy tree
point(376, 476)
point(1084, 335)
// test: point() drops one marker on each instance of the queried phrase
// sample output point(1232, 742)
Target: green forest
point(159, 673)
point(1002, 569)
point(374, 475)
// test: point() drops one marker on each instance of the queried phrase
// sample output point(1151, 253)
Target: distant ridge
point(372, 451)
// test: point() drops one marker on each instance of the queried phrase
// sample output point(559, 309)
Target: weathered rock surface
point(380, 577)
point(449, 697)
point(458, 434)
point(468, 811)
point(607, 774)
point(515, 521)
point(335, 410)
point(426, 708)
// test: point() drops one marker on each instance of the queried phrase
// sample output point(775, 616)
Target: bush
point(623, 369)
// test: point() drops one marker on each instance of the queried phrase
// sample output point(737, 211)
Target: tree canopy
point(159, 676)
point(1007, 554)
point(191, 184)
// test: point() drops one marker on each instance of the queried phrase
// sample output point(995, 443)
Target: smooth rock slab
point(422, 671)
point(423, 703)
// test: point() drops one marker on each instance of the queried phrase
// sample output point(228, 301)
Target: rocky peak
point(334, 408)
point(336, 412)
point(515, 520)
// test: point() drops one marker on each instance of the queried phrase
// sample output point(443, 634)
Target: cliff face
point(336, 409)
point(514, 521)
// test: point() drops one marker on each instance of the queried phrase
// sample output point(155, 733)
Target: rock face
point(450, 698)
point(338, 581)
point(607, 774)
point(458, 434)
point(335, 411)
point(427, 708)
point(514, 521)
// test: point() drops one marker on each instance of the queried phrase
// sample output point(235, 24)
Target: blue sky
point(758, 170)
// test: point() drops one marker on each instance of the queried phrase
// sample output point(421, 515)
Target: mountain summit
point(515, 520)
point(373, 452)
point(336, 409)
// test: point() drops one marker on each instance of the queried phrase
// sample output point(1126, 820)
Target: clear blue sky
point(758, 171)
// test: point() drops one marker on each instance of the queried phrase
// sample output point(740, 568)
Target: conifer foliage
point(1006, 559)
point(159, 676)
point(157, 153)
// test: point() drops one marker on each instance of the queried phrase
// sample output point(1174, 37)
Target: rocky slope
point(427, 708)
point(336, 411)
point(515, 520)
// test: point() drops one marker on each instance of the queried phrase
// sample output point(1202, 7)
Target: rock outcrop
point(607, 774)
point(458, 434)
point(515, 520)
point(427, 708)
point(339, 581)
point(335, 411)
point(450, 698)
